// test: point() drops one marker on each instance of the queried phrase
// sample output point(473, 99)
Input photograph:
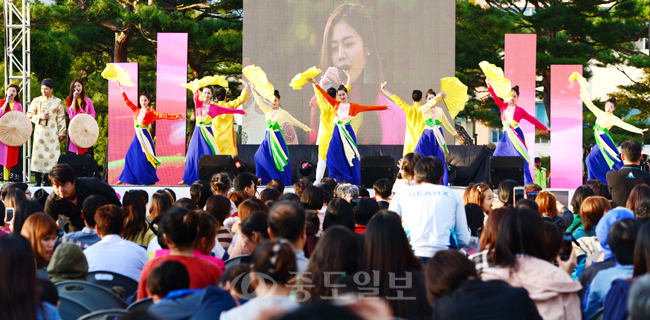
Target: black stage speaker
point(374, 168)
point(209, 165)
point(83, 164)
point(504, 168)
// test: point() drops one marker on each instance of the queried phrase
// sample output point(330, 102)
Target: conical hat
point(83, 131)
point(15, 128)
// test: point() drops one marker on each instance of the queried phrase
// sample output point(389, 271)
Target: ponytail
point(180, 226)
point(276, 260)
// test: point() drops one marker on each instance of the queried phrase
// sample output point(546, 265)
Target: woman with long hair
point(219, 207)
point(13, 198)
point(342, 154)
point(136, 227)
point(203, 141)
point(23, 211)
point(406, 174)
point(513, 142)
point(254, 230)
point(639, 193)
point(339, 212)
point(247, 207)
point(483, 259)
point(506, 193)
point(140, 162)
point(272, 158)
point(8, 154)
point(42, 232)
point(387, 254)
point(161, 201)
point(482, 195)
point(78, 103)
point(579, 196)
point(19, 297)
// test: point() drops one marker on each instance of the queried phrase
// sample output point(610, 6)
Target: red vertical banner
point(120, 122)
point(566, 117)
point(519, 67)
point(171, 98)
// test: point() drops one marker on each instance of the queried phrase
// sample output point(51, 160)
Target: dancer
point(47, 134)
point(327, 125)
point(140, 162)
point(203, 142)
point(222, 125)
point(343, 155)
point(272, 158)
point(414, 120)
point(604, 155)
point(9, 155)
point(513, 143)
point(78, 103)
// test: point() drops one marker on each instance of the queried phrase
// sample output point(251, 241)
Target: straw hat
point(83, 131)
point(15, 128)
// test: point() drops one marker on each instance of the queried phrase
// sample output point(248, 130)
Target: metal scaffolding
point(17, 59)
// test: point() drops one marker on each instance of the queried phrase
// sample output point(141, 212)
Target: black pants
point(39, 178)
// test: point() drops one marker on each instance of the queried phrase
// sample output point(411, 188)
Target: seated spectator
point(220, 207)
point(161, 201)
point(430, 212)
point(113, 253)
point(591, 211)
point(246, 183)
point(550, 207)
point(529, 204)
point(456, 292)
point(622, 181)
point(18, 288)
point(406, 175)
point(22, 187)
point(365, 210)
point(88, 235)
point(23, 211)
point(179, 230)
point(68, 263)
point(136, 227)
point(237, 198)
point(167, 277)
point(475, 218)
point(276, 184)
point(269, 194)
point(312, 198)
point(47, 292)
point(4, 189)
point(41, 196)
point(347, 192)
point(245, 208)
point(387, 255)
point(639, 305)
point(339, 212)
point(221, 184)
point(383, 191)
point(553, 240)
point(621, 239)
point(363, 192)
point(12, 199)
point(171, 193)
point(639, 193)
point(234, 281)
point(254, 230)
point(336, 255)
point(488, 239)
point(290, 197)
point(505, 194)
point(599, 188)
point(287, 222)
point(186, 203)
point(42, 232)
point(70, 192)
point(579, 196)
point(482, 195)
point(519, 256)
point(273, 269)
point(642, 212)
point(330, 182)
point(301, 185)
point(200, 191)
point(312, 228)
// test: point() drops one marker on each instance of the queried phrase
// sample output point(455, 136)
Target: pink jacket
point(519, 114)
point(553, 290)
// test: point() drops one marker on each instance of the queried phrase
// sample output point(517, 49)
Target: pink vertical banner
point(171, 98)
point(120, 122)
point(566, 136)
point(519, 67)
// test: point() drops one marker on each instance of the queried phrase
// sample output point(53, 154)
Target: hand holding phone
point(9, 214)
point(567, 246)
point(518, 194)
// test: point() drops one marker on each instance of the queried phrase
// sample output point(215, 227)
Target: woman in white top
point(406, 176)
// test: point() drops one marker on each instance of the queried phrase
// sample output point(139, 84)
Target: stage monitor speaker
point(83, 164)
point(504, 168)
point(209, 165)
point(374, 168)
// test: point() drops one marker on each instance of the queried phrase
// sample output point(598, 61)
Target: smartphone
point(567, 246)
point(518, 194)
point(531, 195)
point(9, 214)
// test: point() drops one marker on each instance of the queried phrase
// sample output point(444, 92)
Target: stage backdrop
point(120, 122)
point(409, 44)
point(566, 117)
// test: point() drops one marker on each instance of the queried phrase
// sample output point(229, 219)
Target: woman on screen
point(9, 155)
point(78, 103)
point(272, 158)
point(342, 155)
point(140, 162)
point(513, 143)
point(349, 45)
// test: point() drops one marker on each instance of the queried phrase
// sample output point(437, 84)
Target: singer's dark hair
point(15, 86)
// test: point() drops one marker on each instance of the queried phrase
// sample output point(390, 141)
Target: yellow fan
point(584, 85)
point(116, 73)
point(257, 76)
point(206, 81)
point(456, 95)
point(500, 84)
point(301, 79)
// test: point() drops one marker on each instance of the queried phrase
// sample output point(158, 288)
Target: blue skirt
point(337, 163)
point(596, 164)
point(137, 169)
point(198, 147)
point(428, 146)
point(507, 149)
point(264, 164)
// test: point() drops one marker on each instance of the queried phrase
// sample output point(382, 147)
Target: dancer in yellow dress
point(414, 119)
point(222, 125)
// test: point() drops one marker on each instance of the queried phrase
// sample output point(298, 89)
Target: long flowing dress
point(342, 154)
point(9, 155)
point(46, 150)
point(222, 126)
point(88, 109)
point(414, 123)
point(604, 155)
point(272, 157)
point(432, 142)
point(140, 162)
point(513, 143)
point(203, 142)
